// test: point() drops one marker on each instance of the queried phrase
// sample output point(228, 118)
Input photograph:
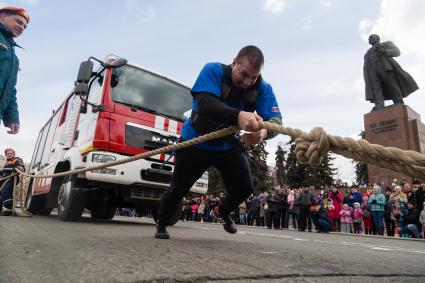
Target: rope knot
point(310, 148)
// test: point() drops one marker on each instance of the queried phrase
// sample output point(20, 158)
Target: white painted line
point(381, 249)
point(285, 237)
point(343, 243)
point(299, 239)
point(269, 252)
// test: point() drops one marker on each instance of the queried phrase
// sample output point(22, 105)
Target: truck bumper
point(142, 171)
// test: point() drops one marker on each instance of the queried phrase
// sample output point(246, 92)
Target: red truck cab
point(121, 110)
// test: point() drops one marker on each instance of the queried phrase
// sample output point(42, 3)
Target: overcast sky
point(313, 52)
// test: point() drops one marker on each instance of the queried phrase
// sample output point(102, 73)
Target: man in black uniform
point(223, 95)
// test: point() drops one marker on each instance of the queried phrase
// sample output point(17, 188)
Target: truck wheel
point(103, 212)
point(71, 201)
point(36, 204)
point(173, 219)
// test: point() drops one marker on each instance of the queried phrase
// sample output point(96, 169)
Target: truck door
point(87, 121)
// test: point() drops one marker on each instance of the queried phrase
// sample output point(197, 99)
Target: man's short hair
point(253, 54)
point(9, 149)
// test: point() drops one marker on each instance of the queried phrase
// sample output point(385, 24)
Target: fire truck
point(120, 110)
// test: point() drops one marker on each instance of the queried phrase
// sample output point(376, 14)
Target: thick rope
point(169, 148)
point(309, 148)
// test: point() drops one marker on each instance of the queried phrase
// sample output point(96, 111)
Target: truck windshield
point(145, 90)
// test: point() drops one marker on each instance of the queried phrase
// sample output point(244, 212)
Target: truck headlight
point(105, 171)
point(103, 158)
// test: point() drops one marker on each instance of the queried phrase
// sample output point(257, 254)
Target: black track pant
point(191, 163)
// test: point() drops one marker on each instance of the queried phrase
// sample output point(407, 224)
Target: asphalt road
point(43, 249)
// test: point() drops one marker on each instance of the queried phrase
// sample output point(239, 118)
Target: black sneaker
point(161, 232)
point(228, 224)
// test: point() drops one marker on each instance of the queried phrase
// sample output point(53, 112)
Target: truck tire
point(103, 212)
point(36, 204)
point(71, 201)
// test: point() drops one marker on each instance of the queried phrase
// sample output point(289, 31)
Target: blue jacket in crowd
point(380, 202)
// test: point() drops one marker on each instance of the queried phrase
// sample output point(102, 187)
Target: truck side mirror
point(83, 78)
point(85, 72)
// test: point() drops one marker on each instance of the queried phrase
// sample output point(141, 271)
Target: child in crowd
point(330, 208)
point(346, 219)
point(201, 210)
point(357, 218)
point(367, 215)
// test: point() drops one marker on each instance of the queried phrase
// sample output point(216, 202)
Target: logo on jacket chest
point(4, 46)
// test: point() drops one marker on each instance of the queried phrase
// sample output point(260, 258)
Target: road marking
point(381, 249)
point(300, 239)
point(269, 252)
point(343, 243)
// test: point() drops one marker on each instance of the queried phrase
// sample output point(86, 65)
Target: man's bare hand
point(254, 137)
point(14, 128)
point(248, 121)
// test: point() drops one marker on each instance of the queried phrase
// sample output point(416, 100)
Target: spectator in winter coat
point(306, 200)
point(378, 202)
point(367, 215)
point(357, 218)
point(254, 211)
point(398, 201)
point(242, 213)
point(283, 207)
point(201, 211)
point(320, 218)
point(328, 204)
point(272, 214)
point(389, 223)
point(416, 197)
point(336, 198)
point(194, 208)
point(346, 199)
point(410, 221)
point(294, 207)
point(407, 189)
point(6, 196)
point(346, 219)
point(353, 197)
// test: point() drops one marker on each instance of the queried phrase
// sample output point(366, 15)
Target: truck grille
point(147, 139)
point(156, 175)
point(145, 193)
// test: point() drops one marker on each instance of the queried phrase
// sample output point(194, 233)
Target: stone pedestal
point(397, 126)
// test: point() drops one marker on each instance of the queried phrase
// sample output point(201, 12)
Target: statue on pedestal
point(383, 76)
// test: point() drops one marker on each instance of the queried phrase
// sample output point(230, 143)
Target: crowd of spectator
point(397, 212)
